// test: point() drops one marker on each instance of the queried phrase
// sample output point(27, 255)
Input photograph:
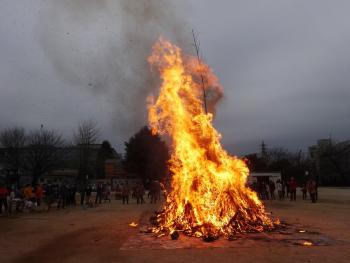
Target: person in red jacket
point(3, 197)
point(292, 189)
point(39, 193)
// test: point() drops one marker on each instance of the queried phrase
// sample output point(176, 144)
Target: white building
point(265, 177)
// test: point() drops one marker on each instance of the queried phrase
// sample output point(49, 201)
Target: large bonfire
point(208, 197)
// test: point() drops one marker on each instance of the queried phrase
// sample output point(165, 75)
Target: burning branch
point(197, 45)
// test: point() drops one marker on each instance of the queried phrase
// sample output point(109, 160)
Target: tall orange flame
point(208, 194)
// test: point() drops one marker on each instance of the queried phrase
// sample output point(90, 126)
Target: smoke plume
point(102, 46)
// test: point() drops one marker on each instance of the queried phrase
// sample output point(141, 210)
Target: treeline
point(327, 162)
point(147, 155)
point(35, 152)
point(38, 151)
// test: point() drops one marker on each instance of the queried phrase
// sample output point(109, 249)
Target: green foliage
point(13, 141)
point(334, 163)
point(147, 155)
point(104, 153)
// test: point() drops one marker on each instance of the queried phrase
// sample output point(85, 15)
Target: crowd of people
point(103, 192)
point(285, 189)
point(46, 196)
point(138, 192)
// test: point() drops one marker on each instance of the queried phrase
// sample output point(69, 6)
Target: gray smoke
point(102, 46)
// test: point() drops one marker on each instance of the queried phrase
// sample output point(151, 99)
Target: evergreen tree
point(146, 155)
point(104, 153)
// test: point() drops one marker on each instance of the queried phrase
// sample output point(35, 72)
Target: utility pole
point(196, 45)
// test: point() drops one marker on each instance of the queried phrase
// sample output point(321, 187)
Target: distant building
point(60, 176)
point(264, 177)
point(115, 172)
point(114, 168)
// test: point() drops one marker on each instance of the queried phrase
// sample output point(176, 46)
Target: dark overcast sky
point(284, 65)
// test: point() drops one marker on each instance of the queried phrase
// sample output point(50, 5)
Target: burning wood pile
point(209, 197)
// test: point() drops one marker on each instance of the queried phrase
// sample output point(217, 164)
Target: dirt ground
point(97, 234)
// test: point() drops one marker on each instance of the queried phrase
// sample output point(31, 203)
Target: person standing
point(39, 193)
point(62, 202)
point(316, 189)
point(292, 189)
point(82, 194)
point(99, 190)
point(125, 193)
point(155, 192)
point(265, 191)
point(280, 189)
point(88, 192)
point(140, 191)
point(107, 193)
point(72, 193)
point(28, 193)
point(272, 188)
point(312, 190)
point(304, 191)
point(11, 198)
point(287, 189)
point(284, 189)
point(49, 196)
point(3, 198)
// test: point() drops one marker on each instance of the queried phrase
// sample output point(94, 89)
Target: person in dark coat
point(63, 195)
point(82, 194)
point(99, 191)
point(88, 191)
point(272, 188)
point(304, 191)
point(292, 189)
point(312, 187)
point(140, 191)
point(125, 193)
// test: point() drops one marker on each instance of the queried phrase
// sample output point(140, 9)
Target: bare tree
point(278, 154)
point(13, 141)
point(44, 151)
point(86, 134)
point(338, 155)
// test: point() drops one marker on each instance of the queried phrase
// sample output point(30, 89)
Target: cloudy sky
point(284, 65)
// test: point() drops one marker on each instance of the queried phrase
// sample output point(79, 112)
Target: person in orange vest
point(28, 193)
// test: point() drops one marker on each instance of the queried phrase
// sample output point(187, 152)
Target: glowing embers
point(133, 224)
point(283, 235)
point(208, 196)
point(307, 243)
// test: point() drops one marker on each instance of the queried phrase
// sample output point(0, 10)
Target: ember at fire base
point(208, 232)
point(283, 235)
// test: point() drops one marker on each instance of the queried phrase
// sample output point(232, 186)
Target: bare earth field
point(102, 234)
